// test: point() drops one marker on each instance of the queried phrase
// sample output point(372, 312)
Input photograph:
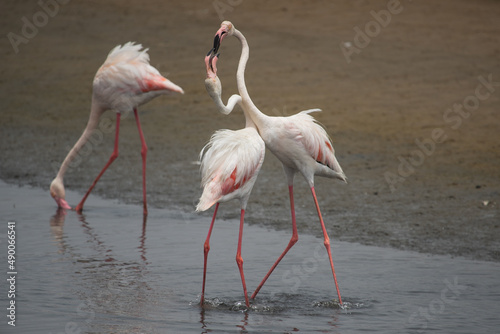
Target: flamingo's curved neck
point(251, 111)
point(231, 103)
point(216, 97)
point(95, 113)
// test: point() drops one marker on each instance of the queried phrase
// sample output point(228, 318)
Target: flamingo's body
point(230, 163)
point(229, 166)
point(298, 141)
point(122, 83)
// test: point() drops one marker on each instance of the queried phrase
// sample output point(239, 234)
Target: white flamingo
point(122, 83)
point(230, 163)
point(300, 143)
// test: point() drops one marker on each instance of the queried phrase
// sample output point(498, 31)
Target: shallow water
point(109, 271)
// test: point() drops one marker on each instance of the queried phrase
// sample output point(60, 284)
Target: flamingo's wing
point(124, 69)
point(228, 162)
point(315, 140)
point(126, 79)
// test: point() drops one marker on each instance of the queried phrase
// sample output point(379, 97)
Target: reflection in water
point(103, 283)
point(245, 323)
point(57, 223)
point(98, 245)
point(57, 230)
point(142, 246)
point(202, 321)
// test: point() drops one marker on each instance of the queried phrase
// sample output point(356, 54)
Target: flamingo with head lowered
point(230, 163)
point(125, 81)
point(298, 141)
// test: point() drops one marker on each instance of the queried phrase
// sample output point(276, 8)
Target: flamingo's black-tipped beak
point(213, 55)
point(209, 59)
point(217, 40)
point(210, 62)
point(216, 43)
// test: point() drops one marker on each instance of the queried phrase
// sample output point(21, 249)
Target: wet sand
point(393, 94)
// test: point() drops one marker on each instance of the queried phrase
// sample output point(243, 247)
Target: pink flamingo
point(230, 163)
point(300, 143)
point(122, 83)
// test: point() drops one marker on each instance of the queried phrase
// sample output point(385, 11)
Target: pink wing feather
point(127, 80)
point(229, 162)
point(316, 141)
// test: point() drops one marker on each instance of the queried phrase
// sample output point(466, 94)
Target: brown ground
point(394, 91)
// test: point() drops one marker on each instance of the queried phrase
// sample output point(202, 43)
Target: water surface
point(111, 271)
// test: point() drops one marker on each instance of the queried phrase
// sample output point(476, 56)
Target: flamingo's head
point(212, 82)
point(58, 193)
point(226, 29)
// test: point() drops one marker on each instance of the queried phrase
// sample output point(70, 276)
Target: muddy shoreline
point(421, 177)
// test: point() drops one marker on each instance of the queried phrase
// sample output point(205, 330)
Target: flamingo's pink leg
point(114, 155)
point(293, 241)
point(206, 249)
point(144, 152)
point(239, 259)
point(326, 243)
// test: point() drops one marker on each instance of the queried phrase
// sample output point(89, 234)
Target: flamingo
point(298, 141)
point(230, 163)
point(122, 83)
